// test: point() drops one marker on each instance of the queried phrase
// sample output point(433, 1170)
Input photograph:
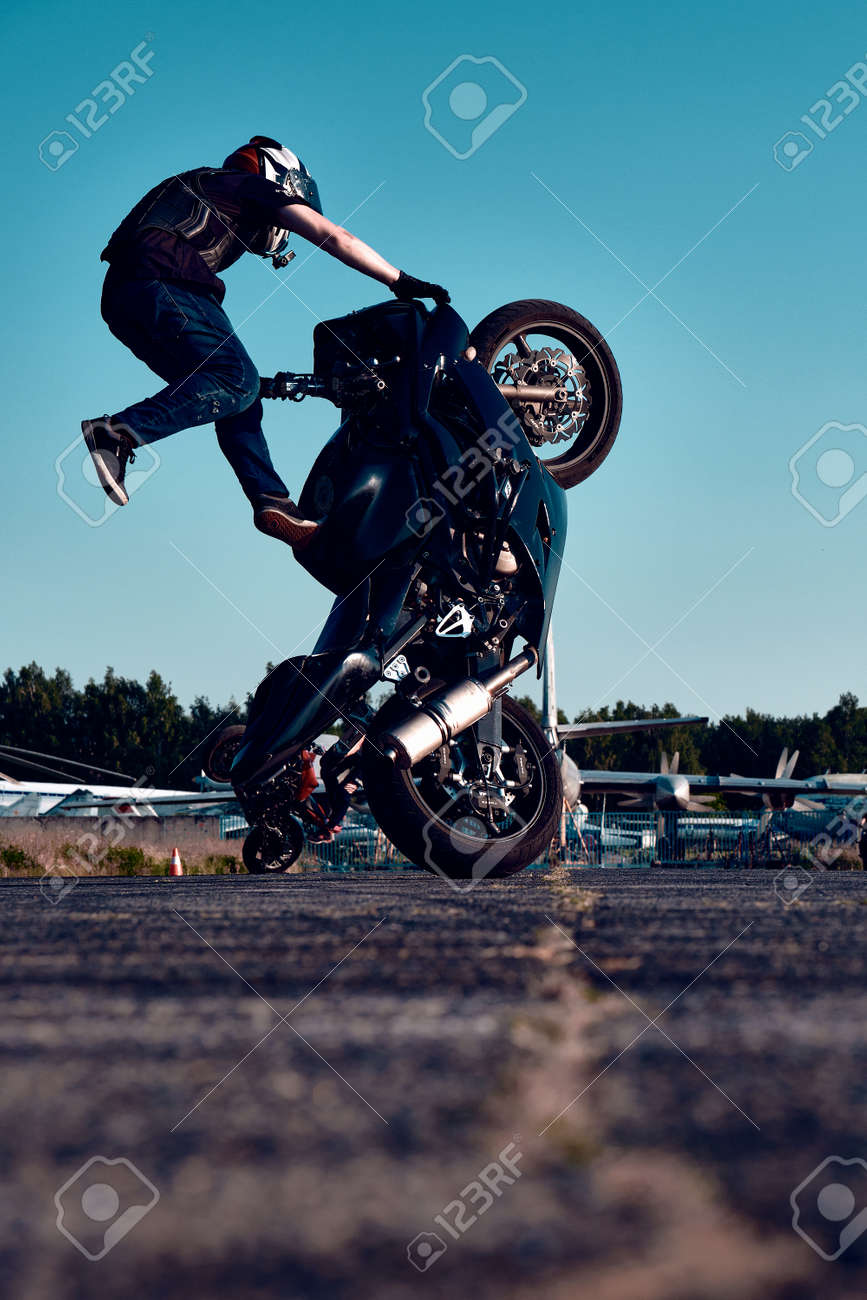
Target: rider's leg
point(274, 512)
point(187, 339)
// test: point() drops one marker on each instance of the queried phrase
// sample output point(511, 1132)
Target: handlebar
point(293, 388)
point(363, 381)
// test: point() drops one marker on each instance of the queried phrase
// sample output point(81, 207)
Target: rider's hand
point(406, 287)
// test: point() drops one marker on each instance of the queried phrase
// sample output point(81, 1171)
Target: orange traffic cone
point(176, 869)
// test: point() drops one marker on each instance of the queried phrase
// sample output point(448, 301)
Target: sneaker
point(110, 451)
point(322, 835)
point(280, 517)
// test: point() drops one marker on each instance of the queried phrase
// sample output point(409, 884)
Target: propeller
point(696, 802)
point(785, 768)
point(672, 790)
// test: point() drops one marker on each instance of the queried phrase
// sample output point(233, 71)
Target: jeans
point(186, 338)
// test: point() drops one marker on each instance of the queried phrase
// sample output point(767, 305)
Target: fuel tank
point(364, 494)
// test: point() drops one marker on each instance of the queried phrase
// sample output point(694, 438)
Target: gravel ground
point(308, 1070)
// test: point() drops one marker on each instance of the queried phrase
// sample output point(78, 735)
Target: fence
point(612, 839)
point(638, 839)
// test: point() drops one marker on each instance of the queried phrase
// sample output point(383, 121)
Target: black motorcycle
point(442, 533)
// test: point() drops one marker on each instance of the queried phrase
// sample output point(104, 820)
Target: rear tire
point(594, 440)
point(268, 852)
point(414, 828)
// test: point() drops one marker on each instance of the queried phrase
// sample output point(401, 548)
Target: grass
point(78, 846)
point(30, 849)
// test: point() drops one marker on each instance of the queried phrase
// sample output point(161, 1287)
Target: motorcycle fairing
point(362, 493)
point(536, 508)
point(306, 694)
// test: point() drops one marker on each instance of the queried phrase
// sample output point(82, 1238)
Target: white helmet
point(270, 159)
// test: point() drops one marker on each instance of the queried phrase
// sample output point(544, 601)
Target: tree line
point(144, 731)
point(748, 744)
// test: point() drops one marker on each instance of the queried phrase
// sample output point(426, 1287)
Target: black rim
point(463, 797)
point(266, 854)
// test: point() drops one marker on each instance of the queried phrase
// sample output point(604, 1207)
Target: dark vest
point(179, 206)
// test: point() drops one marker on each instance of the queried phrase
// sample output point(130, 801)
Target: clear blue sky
point(650, 124)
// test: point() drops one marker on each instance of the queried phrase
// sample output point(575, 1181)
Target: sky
point(636, 182)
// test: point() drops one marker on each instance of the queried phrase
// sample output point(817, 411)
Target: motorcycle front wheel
point(218, 760)
point(541, 344)
point(445, 816)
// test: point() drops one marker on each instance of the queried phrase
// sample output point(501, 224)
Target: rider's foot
point(321, 835)
point(280, 517)
point(111, 450)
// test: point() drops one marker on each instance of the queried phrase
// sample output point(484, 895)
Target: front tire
point(218, 761)
point(439, 830)
point(589, 416)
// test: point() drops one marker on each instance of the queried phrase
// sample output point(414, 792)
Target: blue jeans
point(187, 339)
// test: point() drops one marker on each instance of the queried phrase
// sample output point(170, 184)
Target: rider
point(162, 298)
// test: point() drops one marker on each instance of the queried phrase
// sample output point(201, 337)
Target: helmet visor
point(299, 184)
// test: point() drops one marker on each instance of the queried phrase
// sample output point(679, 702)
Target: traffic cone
point(175, 868)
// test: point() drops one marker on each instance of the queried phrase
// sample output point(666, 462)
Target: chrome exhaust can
point(448, 713)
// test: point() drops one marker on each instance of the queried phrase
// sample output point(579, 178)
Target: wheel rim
point(475, 810)
point(544, 352)
point(269, 853)
point(219, 765)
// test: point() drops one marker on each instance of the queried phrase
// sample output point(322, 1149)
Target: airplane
point(669, 789)
point(64, 799)
point(86, 799)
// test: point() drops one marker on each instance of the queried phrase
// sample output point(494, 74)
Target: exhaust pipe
point(445, 715)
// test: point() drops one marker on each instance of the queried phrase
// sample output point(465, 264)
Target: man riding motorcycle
point(162, 298)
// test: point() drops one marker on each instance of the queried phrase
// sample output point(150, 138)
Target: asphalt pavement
point(369, 1085)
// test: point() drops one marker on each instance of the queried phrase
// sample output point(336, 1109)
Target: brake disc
point(557, 420)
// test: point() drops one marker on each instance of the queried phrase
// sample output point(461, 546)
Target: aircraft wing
point(649, 783)
point(140, 796)
point(633, 783)
point(576, 730)
point(774, 785)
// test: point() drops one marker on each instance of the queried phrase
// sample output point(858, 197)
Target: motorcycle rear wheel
point(589, 416)
point(417, 811)
point(268, 853)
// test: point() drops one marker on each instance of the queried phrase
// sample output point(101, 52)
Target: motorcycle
point(443, 520)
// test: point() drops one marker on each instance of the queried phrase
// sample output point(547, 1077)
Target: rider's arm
point(302, 220)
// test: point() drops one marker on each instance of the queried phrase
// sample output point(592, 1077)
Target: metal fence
point(611, 839)
point(639, 839)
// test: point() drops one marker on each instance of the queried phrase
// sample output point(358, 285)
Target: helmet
point(266, 157)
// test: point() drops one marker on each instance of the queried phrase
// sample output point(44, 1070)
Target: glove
point(406, 287)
